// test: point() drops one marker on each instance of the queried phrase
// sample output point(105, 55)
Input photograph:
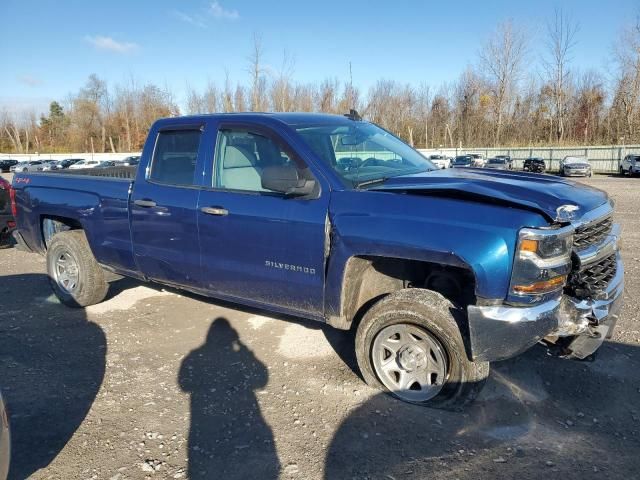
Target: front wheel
point(74, 275)
point(410, 346)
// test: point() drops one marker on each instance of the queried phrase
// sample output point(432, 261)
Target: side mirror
point(286, 179)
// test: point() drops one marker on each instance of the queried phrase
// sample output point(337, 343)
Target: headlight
point(542, 263)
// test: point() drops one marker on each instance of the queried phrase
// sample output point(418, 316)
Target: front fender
point(477, 236)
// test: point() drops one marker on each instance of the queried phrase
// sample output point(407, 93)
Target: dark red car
point(7, 222)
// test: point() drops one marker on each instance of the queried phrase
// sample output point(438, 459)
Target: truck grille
point(594, 278)
point(592, 234)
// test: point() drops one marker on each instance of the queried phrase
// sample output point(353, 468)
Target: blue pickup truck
point(332, 218)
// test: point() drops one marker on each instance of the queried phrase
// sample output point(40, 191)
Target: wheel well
point(51, 225)
point(367, 279)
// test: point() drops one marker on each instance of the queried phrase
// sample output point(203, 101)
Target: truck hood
point(556, 198)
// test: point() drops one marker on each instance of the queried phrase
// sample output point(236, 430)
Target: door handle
point(145, 203)
point(219, 211)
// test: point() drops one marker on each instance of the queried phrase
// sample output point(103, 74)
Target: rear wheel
point(410, 346)
point(74, 275)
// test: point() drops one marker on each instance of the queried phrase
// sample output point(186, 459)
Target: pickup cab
point(438, 272)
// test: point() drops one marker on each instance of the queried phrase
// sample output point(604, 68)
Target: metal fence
point(603, 159)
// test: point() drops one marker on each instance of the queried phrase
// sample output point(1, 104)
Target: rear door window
point(175, 157)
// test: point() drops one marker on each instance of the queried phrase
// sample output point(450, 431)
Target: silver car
point(32, 166)
point(49, 165)
point(497, 163)
point(630, 165)
point(5, 441)
point(575, 167)
point(18, 167)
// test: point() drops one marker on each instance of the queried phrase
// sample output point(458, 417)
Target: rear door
point(257, 245)
point(163, 206)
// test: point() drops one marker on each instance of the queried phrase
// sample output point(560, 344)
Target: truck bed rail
point(126, 172)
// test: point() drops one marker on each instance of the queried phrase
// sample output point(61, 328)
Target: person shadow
point(228, 436)
point(52, 364)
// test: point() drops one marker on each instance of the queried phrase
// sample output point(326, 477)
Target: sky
point(48, 48)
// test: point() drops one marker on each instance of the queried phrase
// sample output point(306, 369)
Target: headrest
point(237, 157)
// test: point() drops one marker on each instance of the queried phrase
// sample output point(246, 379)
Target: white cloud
point(30, 80)
point(108, 43)
point(218, 11)
point(190, 19)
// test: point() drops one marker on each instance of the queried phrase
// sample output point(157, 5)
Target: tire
point(428, 315)
point(621, 171)
point(5, 239)
point(88, 285)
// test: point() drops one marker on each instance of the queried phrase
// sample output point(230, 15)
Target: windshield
point(363, 152)
point(569, 160)
point(497, 160)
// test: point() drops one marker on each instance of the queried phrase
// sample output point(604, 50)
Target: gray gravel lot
point(154, 384)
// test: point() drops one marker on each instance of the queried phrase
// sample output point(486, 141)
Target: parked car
point(49, 165)
point(106, 164)
point(396, 246)
point(440, 161)
point(19, 166)
point(630, 165)
point(462, 161)
point(133, 160)
point(31, 166)
point(498, 164)
point(507, 159)
point(7, 222)
point(66, 163)
point(575, 167)
point(5, 440)
point(478, 160)
point(7, 163)
point(84, 164)
point(534, 164)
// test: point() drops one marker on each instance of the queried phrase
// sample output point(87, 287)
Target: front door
point(255, 244)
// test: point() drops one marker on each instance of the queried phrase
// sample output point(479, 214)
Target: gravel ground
point(153, 384)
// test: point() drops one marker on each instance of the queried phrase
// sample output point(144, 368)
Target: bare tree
point(502, 58)
point(627, 94)
point(561, 39)
point(257, 73)
point(281, 89)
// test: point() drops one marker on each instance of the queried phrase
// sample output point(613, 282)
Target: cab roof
point(289, 118)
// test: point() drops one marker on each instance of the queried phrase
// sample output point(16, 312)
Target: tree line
point(510, 96)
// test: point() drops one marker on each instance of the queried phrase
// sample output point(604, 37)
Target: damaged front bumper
point(498, 332)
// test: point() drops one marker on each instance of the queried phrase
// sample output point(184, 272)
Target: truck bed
point(97, 200)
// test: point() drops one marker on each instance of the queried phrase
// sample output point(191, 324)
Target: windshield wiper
point(366, 183)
